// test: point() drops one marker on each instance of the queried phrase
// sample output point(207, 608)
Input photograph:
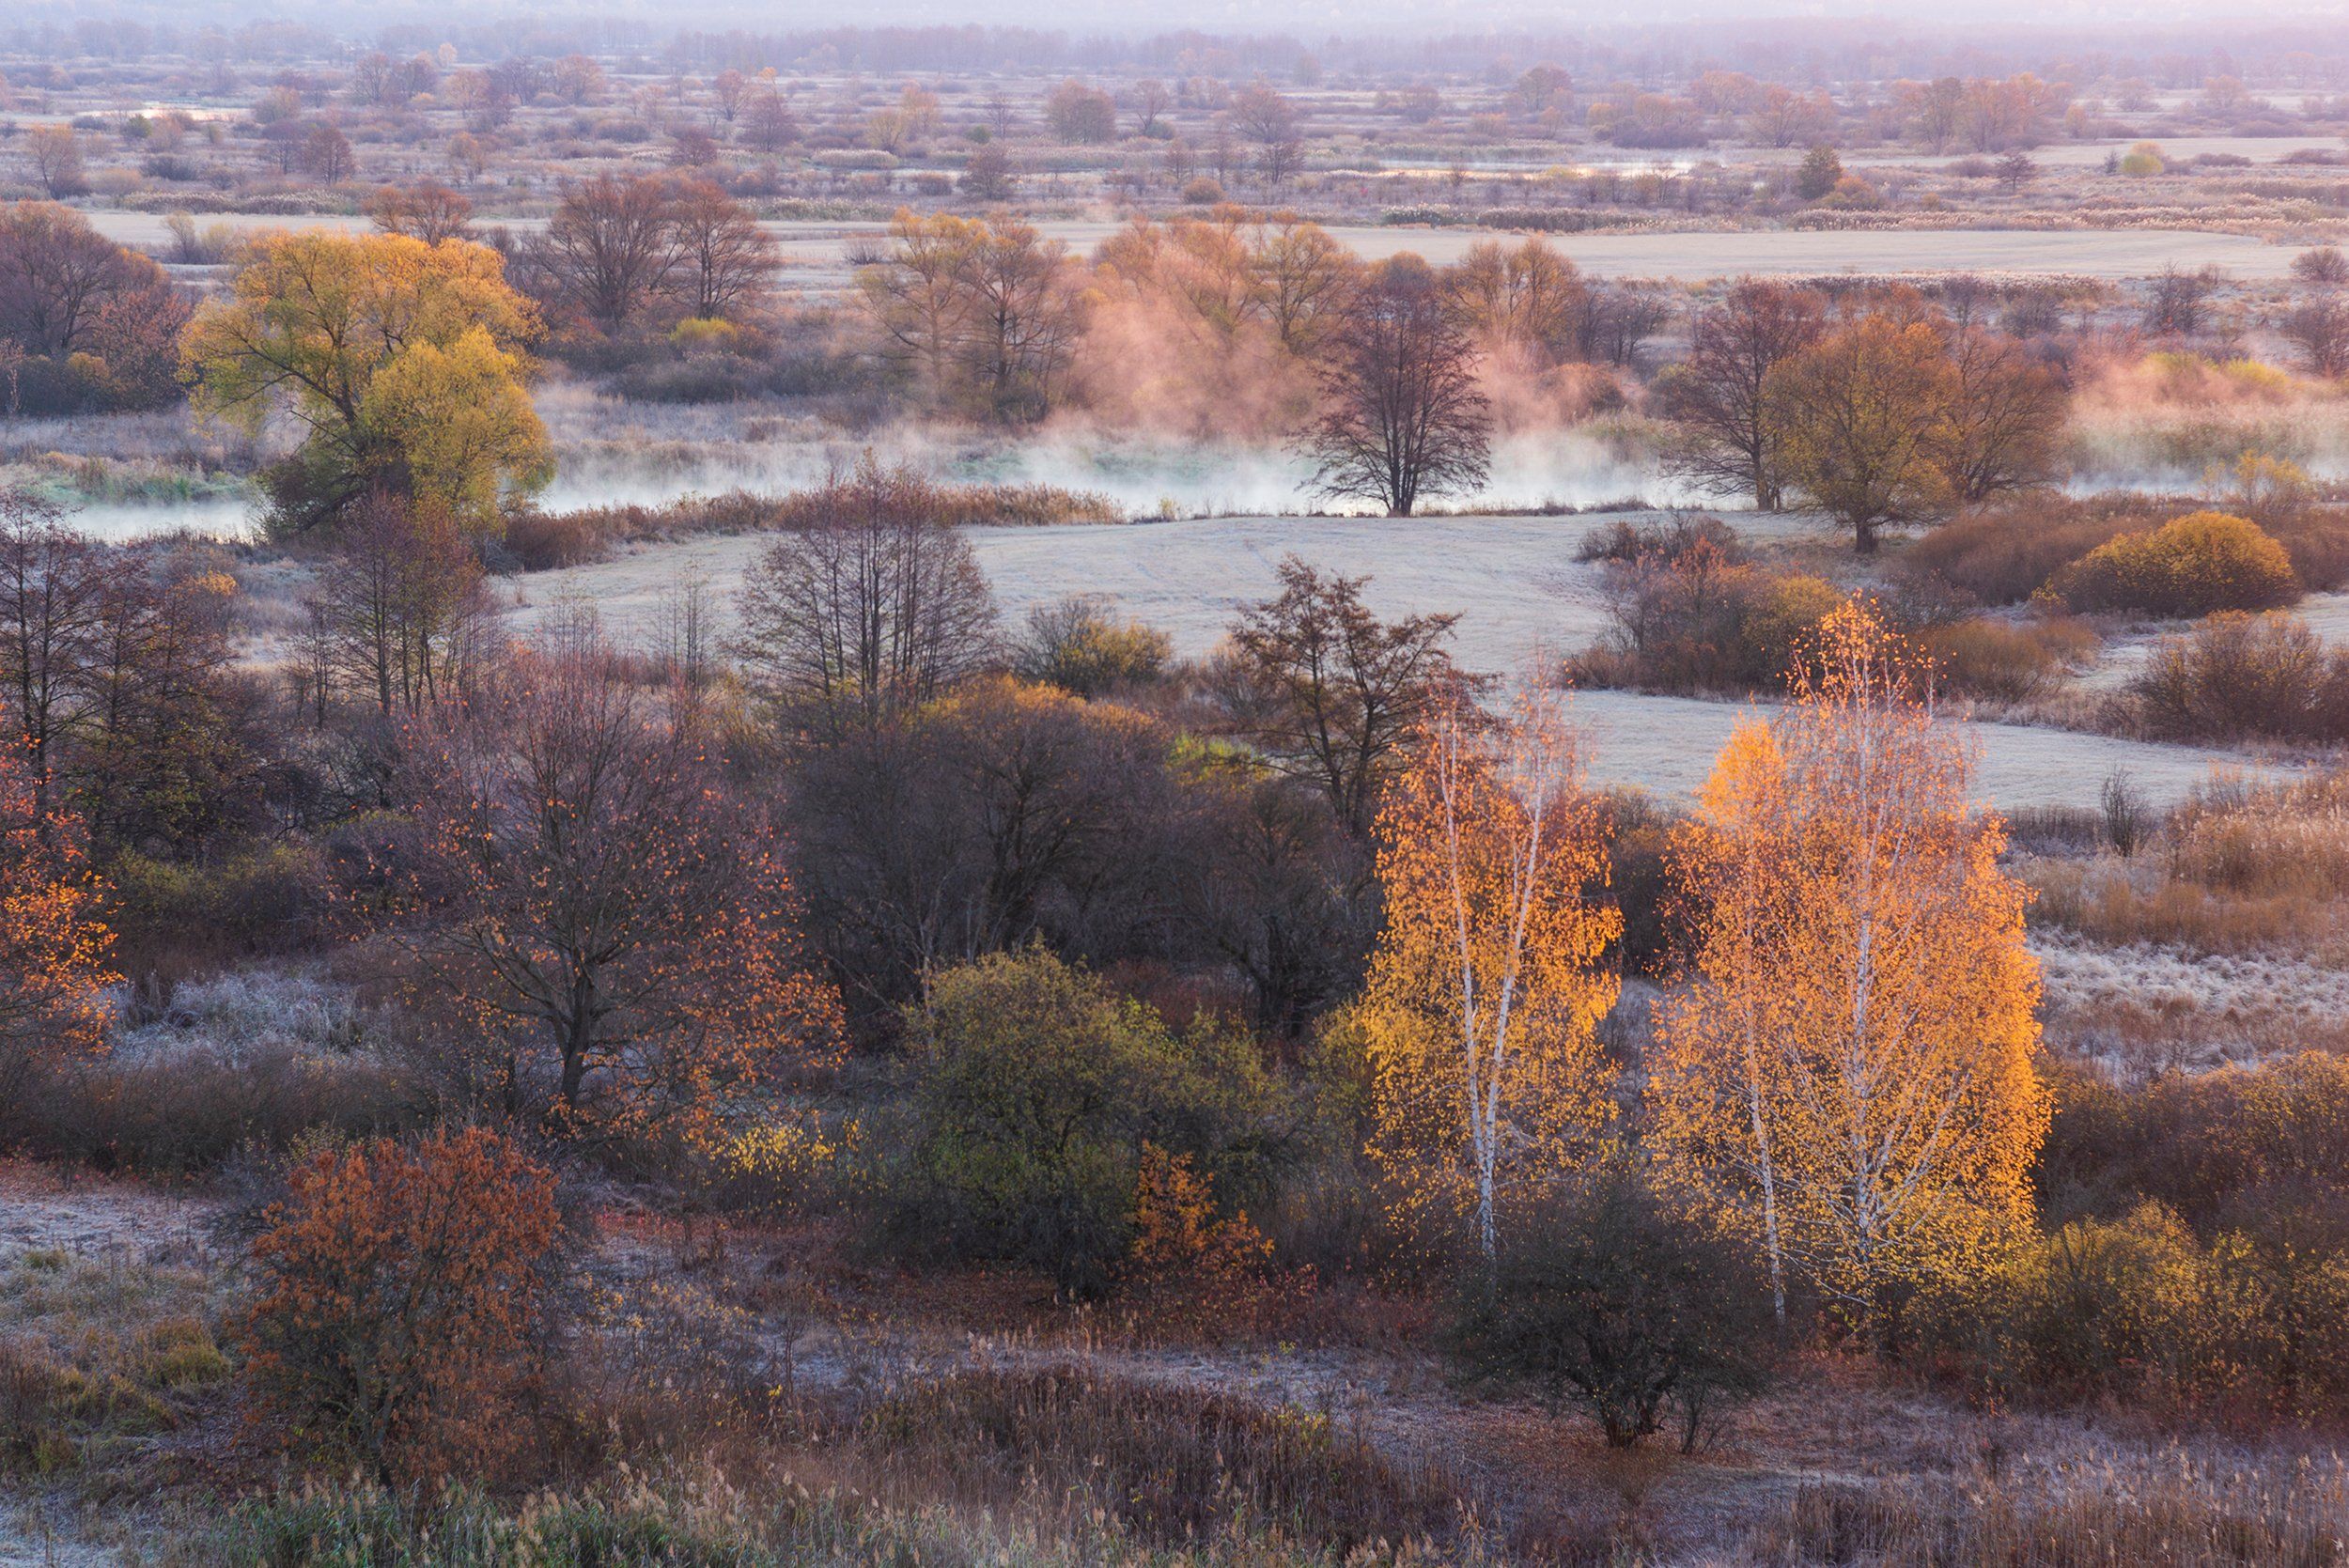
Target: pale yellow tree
point(1851, 1071)
point(1481, 1017)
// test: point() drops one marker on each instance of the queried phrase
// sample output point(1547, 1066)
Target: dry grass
point(543, 541)
point(100, 1354)
point(2239, 866)
point(2191, 1518)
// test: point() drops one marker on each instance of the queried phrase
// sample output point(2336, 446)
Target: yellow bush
point(706, 332)
point(1781, 617)
point(2195, 565)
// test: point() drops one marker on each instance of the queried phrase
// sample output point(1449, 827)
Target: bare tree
point(58, 277)
point(326, 154)
point(873, 607)
point(727, 261)
point(619, 932)
point(1725, 441)
point(1264, 116)
point(768, 124)
point(2319, 328)
point(2006, 423)
point(401, 607)
point(1327, 692)
point(1150, 99)
point(56, 157)
point(2179, 302)
point(428, 210)
point(1404, 417)
point(610, 247)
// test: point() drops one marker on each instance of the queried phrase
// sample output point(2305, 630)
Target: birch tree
point(1852, 1071)
point(1485, 990)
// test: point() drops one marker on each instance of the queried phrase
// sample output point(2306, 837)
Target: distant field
point(1513, 581)
point(814, 253)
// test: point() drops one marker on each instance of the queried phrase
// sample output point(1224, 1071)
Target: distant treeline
point(2309, 53)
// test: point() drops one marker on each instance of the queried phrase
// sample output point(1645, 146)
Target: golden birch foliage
point(1485, 990)
point(1851, 1072)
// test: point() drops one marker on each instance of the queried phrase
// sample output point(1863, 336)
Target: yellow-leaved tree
point(1480, 1022)
point(1851, 1072)
point(402, 362)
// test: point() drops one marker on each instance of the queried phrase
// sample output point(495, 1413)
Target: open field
point(1513, 581)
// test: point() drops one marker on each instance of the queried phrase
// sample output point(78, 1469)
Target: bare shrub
point(2237, 675)
point(2005, 661)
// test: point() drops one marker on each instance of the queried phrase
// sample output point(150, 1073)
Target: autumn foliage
point(1485, 990)
point(404, 1304)
point(400, 362)
point(2190, 565)
point(1853, 1075)
point(55, 948)
point(621, 936)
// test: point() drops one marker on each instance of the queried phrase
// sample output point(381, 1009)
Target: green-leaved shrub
point(1035, 1088)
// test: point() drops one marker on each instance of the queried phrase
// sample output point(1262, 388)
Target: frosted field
point(814, 253)
point(1514, 580)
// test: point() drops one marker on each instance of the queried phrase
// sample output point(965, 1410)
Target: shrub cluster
point(1693, 614)
point(2196, 565)
point(2238, 677)
point(2206, 1267)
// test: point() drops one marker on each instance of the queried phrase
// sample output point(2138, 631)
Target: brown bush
point(1172, 1462)
point(2238, 676)
point(543, 541)
point(2006, 661)
point(2191, 566)
point(405, 1306)
point(2004, 553)
point(166, 1116)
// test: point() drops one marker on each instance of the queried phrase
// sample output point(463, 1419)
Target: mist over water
point(1143, 476)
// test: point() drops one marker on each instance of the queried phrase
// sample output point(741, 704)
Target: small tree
point(1607, 1298)
point(611, 248)
point(988, 176)
point(2319, 328)
point(1724, 437)
point(727, 262)
point(1403, 414)
point(1082, 115)
point(401, 606)
point(621, 936)
point(1262, 115)
point(1330, 692)
point(2325, 266)
point(56, 157)
point(1863, 417)
point(867, 610)
point(405, 1308)
point(426, 210)
point(1820, 172)
point(55, 948)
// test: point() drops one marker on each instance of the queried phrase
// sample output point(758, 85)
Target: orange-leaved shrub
point(406, 1305)
point(2191, 566)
